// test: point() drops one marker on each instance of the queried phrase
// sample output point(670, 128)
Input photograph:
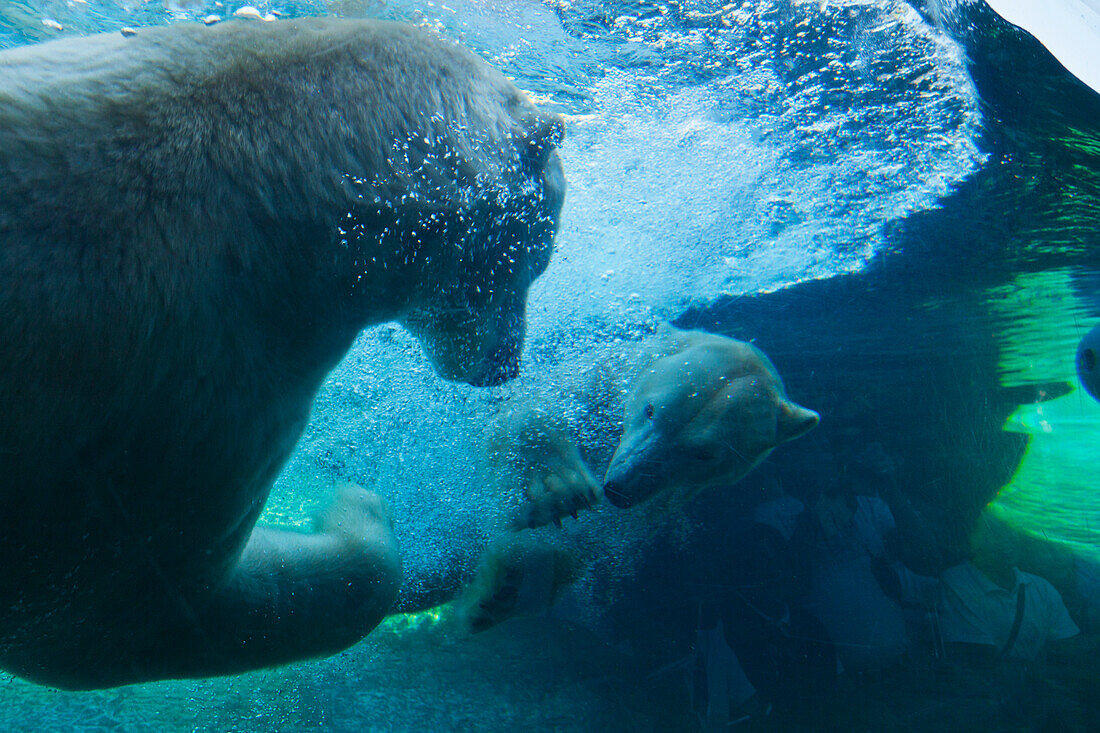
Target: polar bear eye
point(704, 455)
point(648, 411)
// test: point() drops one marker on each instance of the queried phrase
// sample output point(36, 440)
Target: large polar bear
point(195, 223)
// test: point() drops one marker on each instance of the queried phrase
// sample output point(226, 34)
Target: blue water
point(897, 203)
point(707, 156)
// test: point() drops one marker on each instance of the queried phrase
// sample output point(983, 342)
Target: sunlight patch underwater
point(1053, 493)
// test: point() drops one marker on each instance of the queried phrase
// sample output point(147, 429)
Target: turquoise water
point(898, 203)
point(1052, 494)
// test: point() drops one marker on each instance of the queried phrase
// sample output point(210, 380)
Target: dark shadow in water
point(906, 351)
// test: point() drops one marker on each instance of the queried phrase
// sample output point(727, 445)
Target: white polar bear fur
point(194, 225)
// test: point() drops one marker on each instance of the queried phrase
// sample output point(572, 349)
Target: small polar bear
point(693, 411)
point(690, 410)
point(195, 224)
point(702, 414)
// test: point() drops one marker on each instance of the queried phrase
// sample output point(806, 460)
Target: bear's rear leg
point(296, 596)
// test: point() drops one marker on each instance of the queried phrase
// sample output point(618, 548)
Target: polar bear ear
point(670, 338)
point(794, 421)
point(541, 134)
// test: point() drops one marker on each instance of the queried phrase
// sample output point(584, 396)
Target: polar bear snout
point(480, 346)
point(615, 495)
point(496, 346)
point(501, 364)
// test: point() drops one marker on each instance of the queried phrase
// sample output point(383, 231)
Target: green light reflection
point(1053, 494)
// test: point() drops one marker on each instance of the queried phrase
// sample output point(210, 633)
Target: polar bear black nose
point(502, 361)
point(497, 373)
point(614, 495)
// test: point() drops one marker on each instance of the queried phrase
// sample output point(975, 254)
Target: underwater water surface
point(899, 201)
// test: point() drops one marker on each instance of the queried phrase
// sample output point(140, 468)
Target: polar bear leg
point(296, 596)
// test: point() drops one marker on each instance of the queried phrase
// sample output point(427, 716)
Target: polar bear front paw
point(357, 516)
point(557, 490)
point(516, 576)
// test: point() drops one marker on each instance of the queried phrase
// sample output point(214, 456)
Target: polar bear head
point(701, 416)
point(471, 322)
point(471, 319)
